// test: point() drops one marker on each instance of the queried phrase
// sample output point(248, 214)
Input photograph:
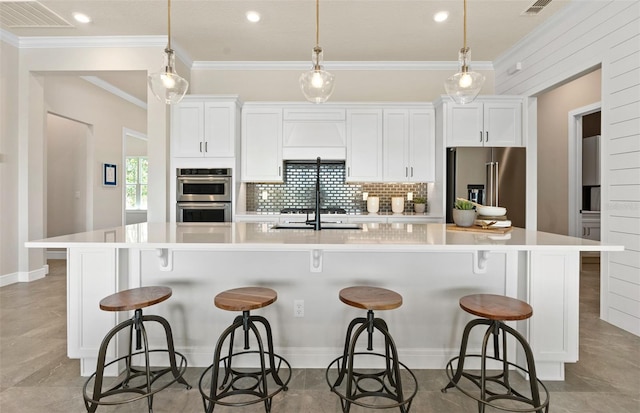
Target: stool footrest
point(140, 390)
point(511, 393)
point(364, 380)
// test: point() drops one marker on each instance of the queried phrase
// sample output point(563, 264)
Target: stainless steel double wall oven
point(203, 194)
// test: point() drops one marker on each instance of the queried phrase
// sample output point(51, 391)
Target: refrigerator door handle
point(497, 182)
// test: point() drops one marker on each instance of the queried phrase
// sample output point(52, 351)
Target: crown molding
point(114, 90)
point(335, 65)
point(9, 38)
point(56, 42)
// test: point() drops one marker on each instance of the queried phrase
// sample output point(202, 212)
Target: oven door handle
point(204, 178)
point(204, 205)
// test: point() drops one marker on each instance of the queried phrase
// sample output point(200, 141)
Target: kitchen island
point(430, 265)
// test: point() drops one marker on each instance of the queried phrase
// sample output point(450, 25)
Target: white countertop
point(246, 236)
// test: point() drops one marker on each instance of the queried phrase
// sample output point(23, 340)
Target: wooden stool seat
point(135, 298)
point(370, 298)
point(245, 298)
point(496, 307)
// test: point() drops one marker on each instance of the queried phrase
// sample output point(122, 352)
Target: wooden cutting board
point(454, 227)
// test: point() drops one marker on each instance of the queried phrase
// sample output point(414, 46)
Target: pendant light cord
point(318, 22)
point(169, 24)
point(464, 14)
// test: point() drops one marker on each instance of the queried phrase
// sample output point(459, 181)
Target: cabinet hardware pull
point(406, 172)
point(412, 171)
point(480, 136)
point(486, 136)
point(279, 170)
point(206, 146)
point(349, 171)
point(200, 146)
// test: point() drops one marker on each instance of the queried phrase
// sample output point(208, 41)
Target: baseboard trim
point(24, 276)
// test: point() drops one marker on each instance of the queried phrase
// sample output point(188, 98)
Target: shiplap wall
point(586, 35)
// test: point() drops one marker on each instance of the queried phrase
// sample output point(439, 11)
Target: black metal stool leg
point(463, 351)
point(170, 347)
point(343, 367)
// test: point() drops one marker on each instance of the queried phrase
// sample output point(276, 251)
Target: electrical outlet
point(298, 308)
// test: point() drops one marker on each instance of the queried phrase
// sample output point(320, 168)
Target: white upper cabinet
point(204, 127)
point(409, 145)
point(261, 144)
point(364, 145)
point(488, 121)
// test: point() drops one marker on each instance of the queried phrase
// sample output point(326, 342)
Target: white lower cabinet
point(591, 226)
point(364, 145)
point(409, 145)
point(262, 145)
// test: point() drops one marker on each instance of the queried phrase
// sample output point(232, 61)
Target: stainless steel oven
point(203, 211)
point(203, 194)
point(203, 185)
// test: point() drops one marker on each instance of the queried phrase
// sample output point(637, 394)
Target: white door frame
point(575, 165)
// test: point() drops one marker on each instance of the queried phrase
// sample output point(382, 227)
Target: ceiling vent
point(29, 14)
point(536, 7)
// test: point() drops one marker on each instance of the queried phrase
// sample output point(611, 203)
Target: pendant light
point(167, 85)
point(464, 86)
point(317, 84)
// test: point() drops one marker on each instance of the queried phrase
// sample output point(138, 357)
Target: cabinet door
point(422, 146)
point(503, 123)
point(262, 145)
point(465, 124)
point(219, 129)
point(364, 145)
point(396, 145)
point(187, 129)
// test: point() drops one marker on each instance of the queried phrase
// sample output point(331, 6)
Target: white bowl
point(491, 211)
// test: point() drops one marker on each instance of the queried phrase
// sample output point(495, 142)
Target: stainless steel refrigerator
point(496, 175)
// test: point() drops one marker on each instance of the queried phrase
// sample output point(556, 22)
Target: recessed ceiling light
point(253, 16)
point(441, 16)
point(81, 18)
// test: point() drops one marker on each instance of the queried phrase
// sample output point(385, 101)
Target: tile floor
point(37, 377)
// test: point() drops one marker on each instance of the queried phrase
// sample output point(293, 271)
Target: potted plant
point(464, 214)
point(419, 204)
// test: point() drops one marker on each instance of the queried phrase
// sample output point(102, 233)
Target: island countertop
point(372, 237)
point(430, 265)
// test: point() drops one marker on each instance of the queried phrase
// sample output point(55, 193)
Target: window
point(137, 173)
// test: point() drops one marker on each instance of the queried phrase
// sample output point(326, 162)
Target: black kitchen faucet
point(316, 220)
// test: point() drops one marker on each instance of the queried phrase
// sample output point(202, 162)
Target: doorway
point(584, 172)
point(68, 180)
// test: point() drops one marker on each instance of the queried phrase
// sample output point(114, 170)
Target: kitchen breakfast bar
point(430, 265)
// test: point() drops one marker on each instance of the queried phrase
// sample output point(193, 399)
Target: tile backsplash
point(298, 190)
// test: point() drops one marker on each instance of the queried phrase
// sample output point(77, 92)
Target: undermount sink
point(324, 225)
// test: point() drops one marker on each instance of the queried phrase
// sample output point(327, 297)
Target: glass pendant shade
point(464, 86)
point(167, 85)
point(317, 84)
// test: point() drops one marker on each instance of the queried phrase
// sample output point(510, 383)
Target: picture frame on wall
point(109, 175)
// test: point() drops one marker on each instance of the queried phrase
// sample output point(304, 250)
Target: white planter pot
point(464, 217)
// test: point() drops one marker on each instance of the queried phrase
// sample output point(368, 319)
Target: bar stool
point(367, 388)
point(134, 299)
point(248, 385)
point(494, 310)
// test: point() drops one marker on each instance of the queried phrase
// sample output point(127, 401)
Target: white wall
point(8, 163)
point(586, 35)
point(553, 148)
